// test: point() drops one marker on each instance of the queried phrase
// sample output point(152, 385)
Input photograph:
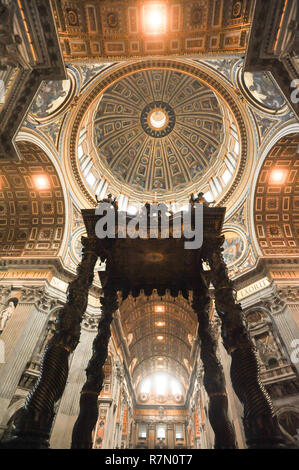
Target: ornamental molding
point(38, 295)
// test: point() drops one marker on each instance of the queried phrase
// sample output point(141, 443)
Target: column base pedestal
point(263, 433)
point(32, 431)
point(22, 443)
point(269, 443)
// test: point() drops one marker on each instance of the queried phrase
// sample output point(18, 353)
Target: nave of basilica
point(130, 343)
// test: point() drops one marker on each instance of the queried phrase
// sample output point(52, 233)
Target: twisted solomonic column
point(86, 421)
point(34, 425)
point(214, 380)
point(260, 425)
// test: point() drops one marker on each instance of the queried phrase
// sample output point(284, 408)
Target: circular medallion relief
point(233, 247)
point(50, 97)
point(261, 89)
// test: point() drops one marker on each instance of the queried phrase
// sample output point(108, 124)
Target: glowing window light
point(179, 431)
point(226, 176)
point(159, 308)
point(160, 323)
point(208, 196)
point(145, 386)
point(160, 383)
point(217, 184)
point(185, 208)
point(142, 430)
point(160, 338)
point(41, 182)
point(132, 210)
point(158, 119)
point(90, 179)
point(277, 176)
point(161, 431)
point(154, 18)
point(175, 387)
point(80, 152)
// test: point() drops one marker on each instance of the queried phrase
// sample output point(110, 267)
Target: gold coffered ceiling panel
point(122, 29)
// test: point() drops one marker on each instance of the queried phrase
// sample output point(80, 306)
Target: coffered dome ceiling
point(160, 332)
point(159, 130)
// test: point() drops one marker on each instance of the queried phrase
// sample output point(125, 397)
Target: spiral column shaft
point(34, 425)
point(86, 421)
point(214, 380)
point(260, 425)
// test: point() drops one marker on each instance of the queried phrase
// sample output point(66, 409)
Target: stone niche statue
point(7, 312)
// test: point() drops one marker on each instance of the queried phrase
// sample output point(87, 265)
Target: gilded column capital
point(31, 294)
point(289, 294)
